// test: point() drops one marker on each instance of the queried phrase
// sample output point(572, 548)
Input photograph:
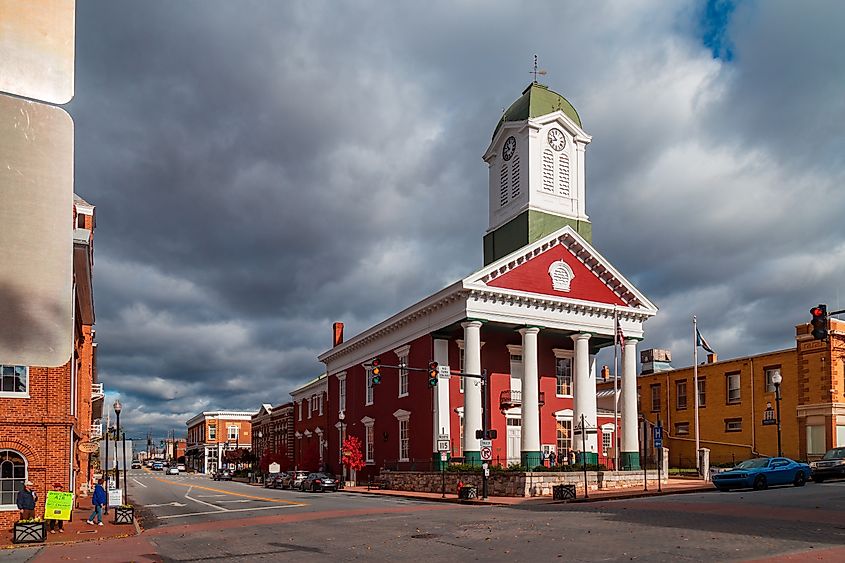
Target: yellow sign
point(59, 505)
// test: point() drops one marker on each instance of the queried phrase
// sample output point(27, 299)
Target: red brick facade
point(310, 426)
point(45, 424)
point(273, 432)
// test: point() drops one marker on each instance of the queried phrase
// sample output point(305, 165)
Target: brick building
point(212, 433)
point(47, 413)
point(735, 395)
point(273, 432)
point(533, 318)
point(310, 424)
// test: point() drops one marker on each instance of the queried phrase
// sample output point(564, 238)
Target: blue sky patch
point(714, 25)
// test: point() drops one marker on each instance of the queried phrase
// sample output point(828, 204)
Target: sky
point(263, 169)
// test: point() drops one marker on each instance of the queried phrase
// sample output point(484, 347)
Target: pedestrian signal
point(432, 374)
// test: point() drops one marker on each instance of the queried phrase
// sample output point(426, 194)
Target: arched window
point(563, 175)
point(503, 186)
point(12, 477)
point(515, 176)
point(548, 171)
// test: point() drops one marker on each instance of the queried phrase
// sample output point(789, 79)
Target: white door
point(514, 442)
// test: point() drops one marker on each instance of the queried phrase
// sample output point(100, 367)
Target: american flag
point(620, 338)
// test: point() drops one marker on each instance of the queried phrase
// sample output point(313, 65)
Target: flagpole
point(695, 387)
point(615, 390)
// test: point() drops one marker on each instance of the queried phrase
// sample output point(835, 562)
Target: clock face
point(556, 139)
point(509, 148)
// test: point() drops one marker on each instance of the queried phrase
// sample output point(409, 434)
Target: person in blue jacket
point(99, 500)
point(26, 500)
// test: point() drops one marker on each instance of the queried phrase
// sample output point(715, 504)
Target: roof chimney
point(337, 334)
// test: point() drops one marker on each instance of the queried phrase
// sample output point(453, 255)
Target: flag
point(620, 338)
point(703, 343)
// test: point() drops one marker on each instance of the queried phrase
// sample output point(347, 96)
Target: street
point(192, 518)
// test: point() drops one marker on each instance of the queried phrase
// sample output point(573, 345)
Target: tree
point(351, 456)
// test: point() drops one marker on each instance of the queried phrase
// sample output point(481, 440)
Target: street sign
point(444, 456)
point(486, 453)
point(658, 433)
point(115, 497)
point(486, 443)
point(658, 443)
point(443, 446)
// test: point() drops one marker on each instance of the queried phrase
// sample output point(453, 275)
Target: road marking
point(236, 500)
point(179, 504)
point(210, 496)
point(140, 483)
point(220, 508)
point(227, 511)
point(275, 500)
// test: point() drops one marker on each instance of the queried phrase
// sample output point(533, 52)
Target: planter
point(124, 514)
point(30, 532)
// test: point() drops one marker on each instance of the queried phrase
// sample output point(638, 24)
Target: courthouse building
point(310, 424)
point(533, 318)
point(50, 416)
point(212, 433)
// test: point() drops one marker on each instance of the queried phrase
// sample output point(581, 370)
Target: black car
point(222, 475)
point(319, 482)
point(274, 480)
point(831, 466)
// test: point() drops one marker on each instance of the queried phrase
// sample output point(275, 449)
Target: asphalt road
point(190, 520)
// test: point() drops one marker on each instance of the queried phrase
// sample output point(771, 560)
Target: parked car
point(181, 467)
point(222, 475)
point(293, 479)
point(319, 482)
point(172, 470)
point(274, 480)
point(831, 466)
point(761, 472)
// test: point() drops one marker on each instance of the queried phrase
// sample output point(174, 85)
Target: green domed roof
point(537, 100)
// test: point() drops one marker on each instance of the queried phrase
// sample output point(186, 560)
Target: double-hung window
point(732, 388)
point(233, 432)
point(369, 398)
point(403, 439)
point(369, 444)
point(655, 398)
point(681, 394)
point(563, 373)
point(14, 381)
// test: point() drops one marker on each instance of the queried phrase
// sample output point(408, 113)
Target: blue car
point(761, 472)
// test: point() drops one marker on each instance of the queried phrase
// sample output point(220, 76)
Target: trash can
point(468, 492)
point(563, 492)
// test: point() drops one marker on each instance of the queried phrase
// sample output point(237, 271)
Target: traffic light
point(376, 371)
point(819, 322)
point(432, 374)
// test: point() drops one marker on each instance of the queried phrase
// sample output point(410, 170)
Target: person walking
point(98, 499)
point(27, 497)
point(60, 524)
point(552, 459)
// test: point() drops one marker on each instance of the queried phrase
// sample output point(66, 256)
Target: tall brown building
point(738, 406)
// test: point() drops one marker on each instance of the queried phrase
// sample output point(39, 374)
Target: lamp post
point(117, 409)
point(259, 451)
point(341, 417)
point(776, 381)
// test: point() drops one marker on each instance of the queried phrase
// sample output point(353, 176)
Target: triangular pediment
point(562, 264)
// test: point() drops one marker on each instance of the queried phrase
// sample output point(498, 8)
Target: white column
point(530, 432)
point(630, 434)
point(472, 389)
point(585, 393)
point(441, 396)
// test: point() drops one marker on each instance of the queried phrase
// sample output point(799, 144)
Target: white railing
point(97, 391)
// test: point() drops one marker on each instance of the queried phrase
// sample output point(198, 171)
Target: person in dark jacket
point(27, 497)
point(98, 499)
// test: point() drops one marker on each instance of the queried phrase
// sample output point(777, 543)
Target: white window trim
point(369, 424)
point(402, 353)
point(19, 394)
point(369, 388)
point(403, 416)
point(320, 404)
point(341, 386)
point(560, 354)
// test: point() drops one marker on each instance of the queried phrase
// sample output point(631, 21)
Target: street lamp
point(258, 451)
point(776, 381)
point(341, 417)
point(117, 409)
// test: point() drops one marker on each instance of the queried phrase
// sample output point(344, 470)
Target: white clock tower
point(536, 163)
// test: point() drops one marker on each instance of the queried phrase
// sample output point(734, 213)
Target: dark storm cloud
point(262, 169)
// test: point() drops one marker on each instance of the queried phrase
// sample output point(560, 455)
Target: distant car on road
point(293, 479)
point(831, 466)
point(136, 465)
point(181, 467)
point(157, 466)
point(319, 482)
point(173, 470)
point(761, 472)
point(222, 475)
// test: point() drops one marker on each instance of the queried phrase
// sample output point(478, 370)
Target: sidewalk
point(674, 486)
point(75, 530)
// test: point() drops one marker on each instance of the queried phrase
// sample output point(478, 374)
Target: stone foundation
point(516, 484)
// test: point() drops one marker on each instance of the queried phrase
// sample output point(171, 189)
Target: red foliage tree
point(351, 455)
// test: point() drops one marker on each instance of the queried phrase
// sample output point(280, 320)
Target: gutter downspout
point(753, 417)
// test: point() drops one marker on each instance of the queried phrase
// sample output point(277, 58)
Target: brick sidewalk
point(674, 486)
point(76, 530)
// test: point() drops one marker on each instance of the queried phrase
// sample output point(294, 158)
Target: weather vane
point(537, 71)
